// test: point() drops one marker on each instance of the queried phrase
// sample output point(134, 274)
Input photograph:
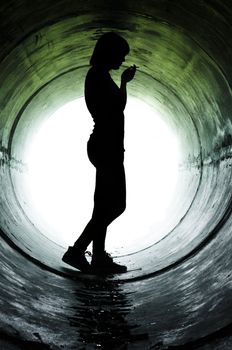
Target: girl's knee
point(123, 207)
point(120, 210)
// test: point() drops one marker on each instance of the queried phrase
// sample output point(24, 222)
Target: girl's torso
point(104, 102)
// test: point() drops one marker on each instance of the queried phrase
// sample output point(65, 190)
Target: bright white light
point(61, 179)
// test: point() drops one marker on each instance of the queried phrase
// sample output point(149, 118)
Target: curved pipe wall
point(181, 285)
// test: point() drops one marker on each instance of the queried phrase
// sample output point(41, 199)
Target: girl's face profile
point(117, 61)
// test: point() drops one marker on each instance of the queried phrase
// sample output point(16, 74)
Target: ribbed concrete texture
point(177, 293)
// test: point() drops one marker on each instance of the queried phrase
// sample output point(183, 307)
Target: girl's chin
point(116, 66)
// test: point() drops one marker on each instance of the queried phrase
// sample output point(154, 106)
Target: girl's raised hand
point(128, 74)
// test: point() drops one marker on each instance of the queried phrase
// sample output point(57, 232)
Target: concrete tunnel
point(177, 293)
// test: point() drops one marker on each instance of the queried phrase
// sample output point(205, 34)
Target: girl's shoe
point(103, 263)
point(77, 259)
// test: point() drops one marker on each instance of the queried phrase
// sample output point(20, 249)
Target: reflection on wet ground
point(42, 310)
point(100, 317)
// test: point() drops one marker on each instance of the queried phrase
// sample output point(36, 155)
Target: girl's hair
point(107, 47)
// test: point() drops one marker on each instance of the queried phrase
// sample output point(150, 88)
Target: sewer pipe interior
point(184, 73)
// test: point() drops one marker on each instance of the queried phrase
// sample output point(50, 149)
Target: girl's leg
point(93, 229)
point(110, 202)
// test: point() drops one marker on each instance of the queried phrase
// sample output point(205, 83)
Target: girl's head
point(110, 51)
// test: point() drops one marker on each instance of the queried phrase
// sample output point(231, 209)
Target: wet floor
point(42, 310)
point(48, 311)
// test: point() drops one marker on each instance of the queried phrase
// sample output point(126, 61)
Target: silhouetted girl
point(106, 103)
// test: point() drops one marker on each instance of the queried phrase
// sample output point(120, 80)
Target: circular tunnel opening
point(57, 177)
point(158, 97)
